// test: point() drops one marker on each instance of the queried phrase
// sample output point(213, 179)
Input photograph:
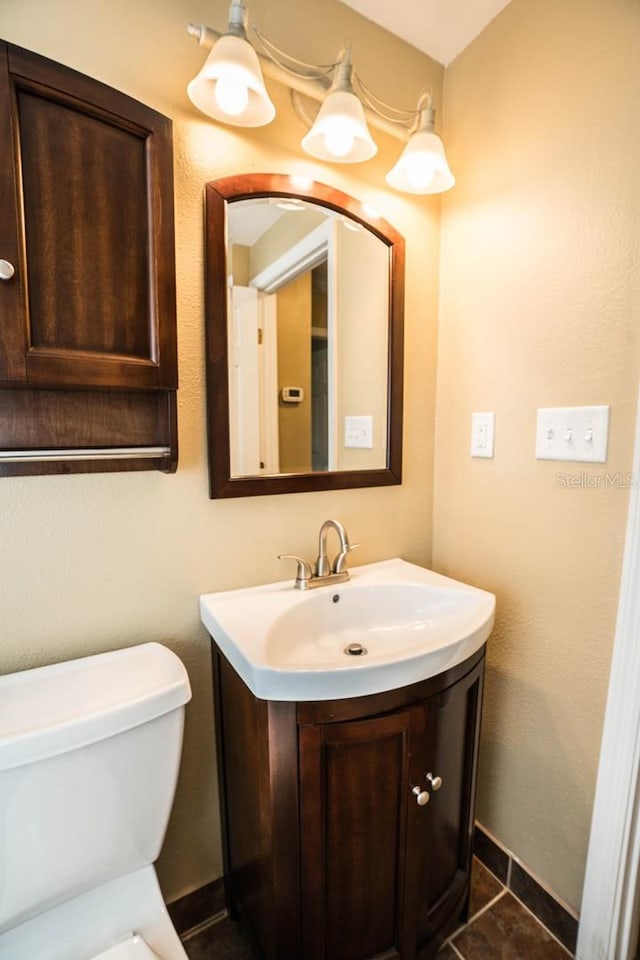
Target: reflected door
point(253, 432)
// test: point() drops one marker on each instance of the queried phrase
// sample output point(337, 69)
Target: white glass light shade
point(230, 86)
point(422, 166)
point(340, 131)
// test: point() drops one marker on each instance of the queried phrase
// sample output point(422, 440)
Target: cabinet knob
point(6, 270)
point(422, 797)
point(436, 782)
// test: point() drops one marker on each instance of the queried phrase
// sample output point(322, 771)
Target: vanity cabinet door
point(353, 801)
point(382, 875)
point(440, 833)
point(86, 221)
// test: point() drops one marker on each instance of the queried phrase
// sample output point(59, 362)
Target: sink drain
point(355, 650)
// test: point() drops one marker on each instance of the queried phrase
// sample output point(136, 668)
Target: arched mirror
point(304, 328)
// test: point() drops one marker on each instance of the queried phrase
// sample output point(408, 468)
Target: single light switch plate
point(358, 432)
point(483, 427)
point(572, 433)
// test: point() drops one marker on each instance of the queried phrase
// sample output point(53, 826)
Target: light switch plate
point(572, 433)
point(358, 432)
point(482, 434)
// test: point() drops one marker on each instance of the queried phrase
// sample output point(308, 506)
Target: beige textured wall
point(89, 563)
point(240, 265)
point(362, 343)
point(540, 298)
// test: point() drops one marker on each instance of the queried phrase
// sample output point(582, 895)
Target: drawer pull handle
point(436, 782)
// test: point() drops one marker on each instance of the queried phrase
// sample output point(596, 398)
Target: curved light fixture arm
point(425, 114)
point(309, 71)
point(403, 118)
point(426, 120)
point(305, 109)
point(425, 99)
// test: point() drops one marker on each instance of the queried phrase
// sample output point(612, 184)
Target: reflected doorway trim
point(302, 256)
point(268, 368)
point(609, 916)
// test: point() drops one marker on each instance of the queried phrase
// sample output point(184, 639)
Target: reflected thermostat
point(292, 394)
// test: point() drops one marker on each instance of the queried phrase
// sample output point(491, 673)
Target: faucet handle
point(340, 562)
point(303, 571)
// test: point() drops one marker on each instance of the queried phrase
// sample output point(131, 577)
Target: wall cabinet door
point(86, 220)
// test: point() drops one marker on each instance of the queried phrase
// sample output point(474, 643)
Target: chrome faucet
point(322, 561)
point(323, 573)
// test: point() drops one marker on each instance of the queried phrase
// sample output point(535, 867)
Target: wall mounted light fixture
point(230, 88)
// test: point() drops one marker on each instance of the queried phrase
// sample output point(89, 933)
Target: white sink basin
point(290, 644)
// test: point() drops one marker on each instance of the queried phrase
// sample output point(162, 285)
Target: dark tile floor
point(221, 941)
point(500, 929)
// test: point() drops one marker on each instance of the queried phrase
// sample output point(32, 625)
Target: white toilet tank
point(89, 757)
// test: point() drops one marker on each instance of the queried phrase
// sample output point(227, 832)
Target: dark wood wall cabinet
point(88, 365)
point(347, 824)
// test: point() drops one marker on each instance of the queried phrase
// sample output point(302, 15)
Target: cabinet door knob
point(6, 270)
point(422, 797)
point(436, 782)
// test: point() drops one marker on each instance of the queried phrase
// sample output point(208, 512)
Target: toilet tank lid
point(51, 710)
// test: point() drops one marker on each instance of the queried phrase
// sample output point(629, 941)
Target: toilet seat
point(133, 948)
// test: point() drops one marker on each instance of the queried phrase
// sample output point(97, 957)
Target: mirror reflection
point(308, 339)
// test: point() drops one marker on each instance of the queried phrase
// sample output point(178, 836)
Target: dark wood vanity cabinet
point(328, 854)
point(88, 318)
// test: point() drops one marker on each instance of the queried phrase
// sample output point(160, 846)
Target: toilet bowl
point(89, 758)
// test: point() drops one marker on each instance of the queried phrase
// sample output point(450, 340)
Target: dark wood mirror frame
point(247, 186)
